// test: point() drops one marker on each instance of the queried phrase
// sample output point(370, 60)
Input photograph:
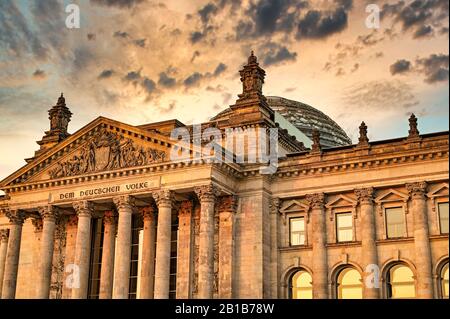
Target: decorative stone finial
point(252, 58)
point(252, 78)
point(413, 130)
point(363, 139)
point(315, 147)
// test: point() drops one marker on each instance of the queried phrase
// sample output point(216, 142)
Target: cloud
point(166, 81)
point(220, 69)
point(207, 11)
point(132, 76)
point(105, 74)
point(91, 36)
point(117, 3)
point(400, 67)
point(423, 31)
point(140, 42)
point(435, 67)
point(193, 79)
point(39, 74)
point(121, 34)
point(195, 55)
point(273, 54)
point(320, 25)
point(148, 85)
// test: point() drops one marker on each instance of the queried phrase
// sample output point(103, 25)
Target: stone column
point(148, 253)
point(319, 250)
point(184, 250)
point(80, 274)
point(164, 201)
point(207, 197)
point(227, 210)
point(107, 270)
point(49, 215)
point(421, 240)
point(16, 218)
point(69, 256)
point(4, 234)
point(124, 205)
point(368, 244)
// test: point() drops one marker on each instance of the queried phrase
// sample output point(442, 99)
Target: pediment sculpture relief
point(107, 151)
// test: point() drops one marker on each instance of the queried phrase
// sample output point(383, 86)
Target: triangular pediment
point(341, 201)
point(293, 206)
point(102, 145)
point(392, 195)
point(440, 190)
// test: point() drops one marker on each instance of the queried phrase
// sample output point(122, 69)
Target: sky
point(142, 61)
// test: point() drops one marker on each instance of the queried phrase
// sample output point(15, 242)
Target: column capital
point(163, 197)
point(228, 203)
point(207, 192)
point(38, 224)
point(72, 220)
point(15, 216)
point(124, 202)
point(364, 195)
point(316, 201)
point(83, 208)
point(109, 217)
point(417, 189)
point(147, 212)
point(49, 212)
point(4, 235)
point(185, 208)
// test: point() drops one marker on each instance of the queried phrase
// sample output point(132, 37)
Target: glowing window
point(444, 281)
point(443, 217)
point(349, 284)
point(395, 222)
point(344, 227)
point(301, 285)
point(297, 229)
point(401, 282)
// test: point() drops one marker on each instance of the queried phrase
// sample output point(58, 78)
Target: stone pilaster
point(227, 211)
point(207, 196)
point(124, 205)
point(148, 252)
point(16, 218)
point(274, 244)
point(108, 249)
point(319, 251)
point(368, 242)
point(4, 235)
point(69, 255)
point(84, 210)
point(184, 250)
point(164, 201)
point(49, 216)
point(421, 239)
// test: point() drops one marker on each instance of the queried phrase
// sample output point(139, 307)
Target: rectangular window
point(344, 227)
point(95, 262)
point(173, 258)
point(395, 222)
point(297, 230)
point(135, 228)
point(443, 217)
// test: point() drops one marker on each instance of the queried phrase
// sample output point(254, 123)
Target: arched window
point(301, 285)
point(444, 281)
point(400, 281)
point(349, 284)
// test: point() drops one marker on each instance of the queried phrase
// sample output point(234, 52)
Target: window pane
point(401, 282)
point(301, 285)
point(344, 224)
point(297, 229)
point(443, 217)
point(395, 221)
point(350, 284)
point(444, 281)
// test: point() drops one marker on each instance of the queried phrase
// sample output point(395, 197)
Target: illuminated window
point(443, 217)
point(134, 260)
point(95, 262)
point(297, 228)
point(301, 285)
point(395, 222)
point(401, 282)
point(173, 258)
point(344, 227)
point(349, 284)
point(444, 281)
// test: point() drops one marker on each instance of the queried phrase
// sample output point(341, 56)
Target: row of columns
point(369, 254)
point(116, 255)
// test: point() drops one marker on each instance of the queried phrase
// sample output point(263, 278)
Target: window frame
point(338, 275)
point(336, 227)
point(438, 204)
point(304, 230)
point(387, 280)
point(385, 209)
point(440, 276)
point(291, 286)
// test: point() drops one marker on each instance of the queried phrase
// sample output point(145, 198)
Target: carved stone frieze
point(106, 150)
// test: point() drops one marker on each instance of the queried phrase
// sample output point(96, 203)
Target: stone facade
point(233, 234)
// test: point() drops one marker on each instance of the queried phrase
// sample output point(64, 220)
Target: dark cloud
point(140, 42)
point(193, 79)
point(220, 69)
point(401, 66)
point(39, 74)
point(121, 34)
point(207, 11)
point(132, 76)
point(91, 36)
point(195, 55)
point(196, 36)
point(319, 25)
point(106, 74)
point(148, 85)
point(423, 31)
point(273, 54)
point(117, 3)
point(82, 57)
point(435, 67)
point(166, 81)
